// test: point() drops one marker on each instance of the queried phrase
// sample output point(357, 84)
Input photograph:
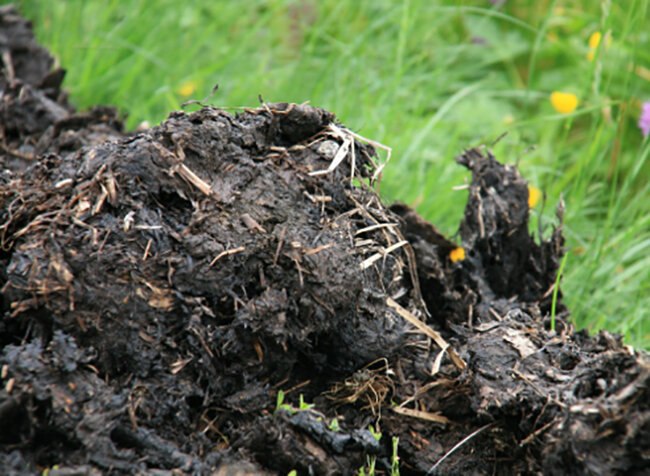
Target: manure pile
point(227, 294)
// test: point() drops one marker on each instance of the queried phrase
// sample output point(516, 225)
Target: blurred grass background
point(428, 78)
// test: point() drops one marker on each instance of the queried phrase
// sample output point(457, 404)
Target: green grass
point(426, 78)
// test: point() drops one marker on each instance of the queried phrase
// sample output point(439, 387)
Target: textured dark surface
point(194, 298)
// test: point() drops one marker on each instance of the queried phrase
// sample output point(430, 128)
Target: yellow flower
point(187, 88)
point(534, 195)
point(457, 254)
point(594, 39)
point(564, 103)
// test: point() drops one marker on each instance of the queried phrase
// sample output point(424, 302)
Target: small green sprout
point(46, 471)
point(555, 290)
point(375, 434)
point(394, 460)
point(303, 405)
point(280, 405)
point(334, 425)
point(371, 462)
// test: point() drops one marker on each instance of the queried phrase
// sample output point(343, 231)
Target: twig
point(318, 249)
point(278, 249)
point(373, 227)
point(536, 433)
point(369, 261)
point(227, 253)
point(422, 327)
point(435, 417)
point(146, 250)
point(458, 445)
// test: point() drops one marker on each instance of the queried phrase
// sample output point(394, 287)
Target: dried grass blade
point(422, 415)
point(422, 327)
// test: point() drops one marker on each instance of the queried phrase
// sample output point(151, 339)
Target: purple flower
point(644, 119)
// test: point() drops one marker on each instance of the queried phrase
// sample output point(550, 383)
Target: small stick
point(321, 302)
point(456, 188)
point(338, 158)
point(536, 433)
point(185, 172)
point(279, 248)
point(479, 217)
point(495, 314)
point(365, 264)
point(422, 390)
point(517, 373)
point(373, 143)
point(227, 253)
point(422, 415)
point(422, 327)
point(318, 249)
point(458, 445)
point(251, 224)
point(373, 227)
point(296, 387)
point(202, 341)
point(146, 250)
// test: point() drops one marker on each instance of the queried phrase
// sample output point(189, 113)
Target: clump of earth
point(228, 294)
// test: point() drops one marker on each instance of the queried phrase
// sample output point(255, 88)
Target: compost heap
point(226, 294)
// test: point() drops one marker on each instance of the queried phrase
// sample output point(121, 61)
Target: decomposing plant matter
point(371, 384)
point(160, 288)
